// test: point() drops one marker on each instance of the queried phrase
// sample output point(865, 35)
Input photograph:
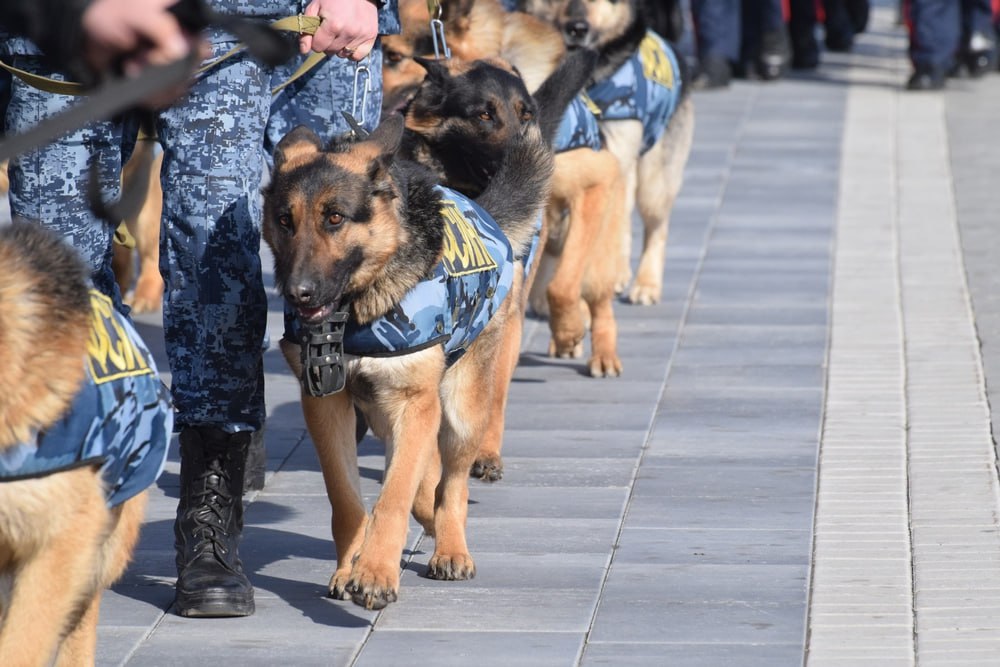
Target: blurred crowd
point(763, 39)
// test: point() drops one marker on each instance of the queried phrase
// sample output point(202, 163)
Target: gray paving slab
point(673, 516)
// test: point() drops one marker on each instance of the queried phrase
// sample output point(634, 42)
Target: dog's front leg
point(416, 419)
point(331, 422)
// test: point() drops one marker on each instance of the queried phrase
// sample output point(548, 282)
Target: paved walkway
point(796, 468)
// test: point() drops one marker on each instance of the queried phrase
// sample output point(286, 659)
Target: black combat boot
point(210, 579)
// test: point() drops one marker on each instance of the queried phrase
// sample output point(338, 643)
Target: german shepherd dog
point(70, 506)
point(459, 124)
point(586, 213)
point(473, 29)
point(356, 232)
point(652, 157)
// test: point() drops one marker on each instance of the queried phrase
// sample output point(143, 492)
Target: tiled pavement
point(796, 467)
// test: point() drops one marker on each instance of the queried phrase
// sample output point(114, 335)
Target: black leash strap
point(119, 94)
point(322, 354)
point(107, 100)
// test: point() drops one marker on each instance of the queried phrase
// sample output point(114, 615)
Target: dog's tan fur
point(60, 545)
point(432, 417)
point(146, 295)
point(578, 271)
point(652, 180)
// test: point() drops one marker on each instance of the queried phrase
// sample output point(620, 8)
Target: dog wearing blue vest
point(579, 269)
point(84, 426)
point(356, 233)
point(452, 117)
point(647, 117)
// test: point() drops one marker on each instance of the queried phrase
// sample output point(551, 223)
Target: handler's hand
point(135, 34)
point(348, 30)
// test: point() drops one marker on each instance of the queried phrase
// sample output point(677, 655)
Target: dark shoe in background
point(838, 27)
point(773, 57)
point(805, 47)
point(209, 525)
point(979, 56)
point(858, 11)
point(713, 72)
point(927, 77)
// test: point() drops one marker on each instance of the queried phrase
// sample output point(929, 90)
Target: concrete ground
point(797, 466)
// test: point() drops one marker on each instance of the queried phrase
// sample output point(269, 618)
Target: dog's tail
point(519, 189)
point(557, 91)
point(44, 321)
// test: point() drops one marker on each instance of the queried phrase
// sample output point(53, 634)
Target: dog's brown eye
point(334, 219)
point(285, 220)
point(485, 115)
point(393, 56)
point(527, 116)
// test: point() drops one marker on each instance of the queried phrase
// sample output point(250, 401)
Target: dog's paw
point(572, 349)
point(371, 590)
point(622, 280)
point(453, 567)
point(487, 469)
point(644, 295)
point(337, 589)
point(605, 366)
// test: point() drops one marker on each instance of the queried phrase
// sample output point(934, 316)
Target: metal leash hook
point(362, 71)
point(437, 29)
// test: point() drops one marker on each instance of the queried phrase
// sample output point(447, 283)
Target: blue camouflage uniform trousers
point(214, 140)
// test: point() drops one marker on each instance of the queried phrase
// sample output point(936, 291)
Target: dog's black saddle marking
point(322, 351)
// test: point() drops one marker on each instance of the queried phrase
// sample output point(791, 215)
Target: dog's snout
point(302, 293)
point(576, 29)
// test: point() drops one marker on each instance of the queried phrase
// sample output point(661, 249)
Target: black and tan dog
point(84, 427)
point(585, 217)
point(367, 249)
point(647, 117)
point(459, 124)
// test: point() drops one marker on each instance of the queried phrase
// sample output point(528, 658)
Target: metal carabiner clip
point(362, 86)
point(437, 34)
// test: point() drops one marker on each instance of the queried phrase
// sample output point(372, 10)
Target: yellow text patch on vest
point(110, 351)
point(589, 103)
point(655, 62)
point(464, 251)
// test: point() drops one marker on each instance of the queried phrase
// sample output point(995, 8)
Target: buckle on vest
point(322, 354)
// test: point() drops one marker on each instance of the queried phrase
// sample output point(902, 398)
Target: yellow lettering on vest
point(464, 250)
point(590, 104)
point(656, 64)
point(112, 352)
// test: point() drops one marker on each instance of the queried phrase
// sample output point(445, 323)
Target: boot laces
point(213, 507)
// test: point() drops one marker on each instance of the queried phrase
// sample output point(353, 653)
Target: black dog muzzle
point(322, 354)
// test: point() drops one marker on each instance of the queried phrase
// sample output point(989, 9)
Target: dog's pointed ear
point(388, 135)
point(298, 142)
point(457, 12)
point(437, 71)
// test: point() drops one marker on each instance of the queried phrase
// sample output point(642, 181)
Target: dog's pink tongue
point(309, 313)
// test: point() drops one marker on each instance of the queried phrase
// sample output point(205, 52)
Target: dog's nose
point(577, 29)
point(302, 293)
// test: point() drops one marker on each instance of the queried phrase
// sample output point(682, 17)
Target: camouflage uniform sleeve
point(388, 17)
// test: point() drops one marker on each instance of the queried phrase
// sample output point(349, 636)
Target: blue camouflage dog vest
point(647, 88)
point(579, 128)
point(120, 419)
point(455, 302)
